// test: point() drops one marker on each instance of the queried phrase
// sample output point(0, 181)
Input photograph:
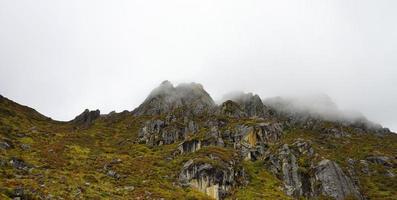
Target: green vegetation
point(262, 184)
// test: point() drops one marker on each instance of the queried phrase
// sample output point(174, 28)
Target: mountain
point(180, 144)
point(189, 98)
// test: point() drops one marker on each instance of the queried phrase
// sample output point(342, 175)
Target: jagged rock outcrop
point(334, 182)
point(252, 105)
point(294, 165)
point(190, 146)
point(231, 109)
point(158, 132)
point(252, 140)
point(190, 99)
point(249, 104)
point(285, 164)
point(215, 180)
point(86, 118)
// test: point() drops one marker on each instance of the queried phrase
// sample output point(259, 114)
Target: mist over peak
point(167, 97)
point(239, 96)
point(318, 106)
point(193, 98)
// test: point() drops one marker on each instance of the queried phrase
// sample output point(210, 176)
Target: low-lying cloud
point(319, 106)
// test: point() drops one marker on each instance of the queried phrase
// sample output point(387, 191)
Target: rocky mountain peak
point(86, 118)
point(191, 97)
point(249, 103)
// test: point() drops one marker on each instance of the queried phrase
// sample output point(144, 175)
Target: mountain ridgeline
point(180, 144)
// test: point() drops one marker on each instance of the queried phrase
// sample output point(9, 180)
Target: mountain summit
point(191, 98)
point(179, 144)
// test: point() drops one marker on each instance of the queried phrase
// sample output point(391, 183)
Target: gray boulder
point(381, 160)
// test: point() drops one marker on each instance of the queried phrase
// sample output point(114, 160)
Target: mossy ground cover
point(262, 184)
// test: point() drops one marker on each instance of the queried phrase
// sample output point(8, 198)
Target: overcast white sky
point(60, 57)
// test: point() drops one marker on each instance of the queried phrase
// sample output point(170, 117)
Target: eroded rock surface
point(294, 165)
point(253, 140)
point(190, 146)
point(159, 132)
point(334, 182)
point(285, 164)
point(214, 180)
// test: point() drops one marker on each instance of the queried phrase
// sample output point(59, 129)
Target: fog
point(61, 57)
point(179, 93)
point(316, 105)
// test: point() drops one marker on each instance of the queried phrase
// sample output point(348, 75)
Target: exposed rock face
point(249, 139)
point(215, 181)
point(289, 167)
point(294, 165)
point(86, 118)
point(252, 105)
point(334, 182)
point(190, 98)
point(232, 109)
point(285, 165)
point(249, 104)
point(189, 146)
point(159, 132)
point(252, 140)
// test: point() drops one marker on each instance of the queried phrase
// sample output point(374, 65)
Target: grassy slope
point(262, 185)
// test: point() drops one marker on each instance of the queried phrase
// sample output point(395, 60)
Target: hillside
point(179, 144)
